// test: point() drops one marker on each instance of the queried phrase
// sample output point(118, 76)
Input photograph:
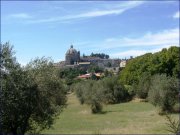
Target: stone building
point(73, 60)
point(72, 56)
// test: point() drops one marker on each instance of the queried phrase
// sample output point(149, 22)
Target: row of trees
point(30, 97)
point(97, 93)
point(100, 55)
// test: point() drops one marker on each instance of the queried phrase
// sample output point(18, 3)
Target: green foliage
point(113, 91)
point(80, 92)
point(15, 86)
point(109, 64)
point(51, 90)
point(135, 67)
point(89, 92)
point(108, 73)
point(130, 90)
point(18, 100)
point(96, 107)
point(100, 55)
point(94, 69)
point(105, 91)
point(143, 86)
point(163, 62)
point(70, 73)
point(93, 77)
point(31, 97)
point(163, 92)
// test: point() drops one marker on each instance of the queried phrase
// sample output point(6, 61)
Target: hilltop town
point(74, 60)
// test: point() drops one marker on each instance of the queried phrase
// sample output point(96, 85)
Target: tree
point(31, 97)
point(100, 55)
point(109, 64)
point(52, 93)
point(113, 91)
point(163, 62)
point(18, 100)
point(163, 92)
point(89, 92)
point(144, 85)
point(95, 69)
point(105, 91)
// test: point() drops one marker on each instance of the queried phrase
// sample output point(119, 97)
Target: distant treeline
point(100, 55)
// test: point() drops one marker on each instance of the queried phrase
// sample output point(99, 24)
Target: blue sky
point(118, 28)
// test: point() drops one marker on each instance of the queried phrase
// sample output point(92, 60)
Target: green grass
point(127, 118)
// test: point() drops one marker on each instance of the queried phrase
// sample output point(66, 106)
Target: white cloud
point(176, 15)
point(115, 9)
point(128, 53)
point(20, 16)
point(141, 45)
point(166, 37)
point(134, 53)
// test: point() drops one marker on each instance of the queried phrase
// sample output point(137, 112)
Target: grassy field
point(128, 118)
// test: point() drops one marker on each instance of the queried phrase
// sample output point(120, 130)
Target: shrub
point(114, 91)
point(144, 85)
point(96, 107)
point(89, 92)
point(131, 91)
point(97, 93)
point(120, 93)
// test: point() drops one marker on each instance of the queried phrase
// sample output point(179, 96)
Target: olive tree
point(89, 92)
point(31, 97)
point(144, 85)
point(163, 92)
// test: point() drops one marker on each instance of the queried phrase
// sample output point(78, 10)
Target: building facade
point(72, 56)
point(73, 60)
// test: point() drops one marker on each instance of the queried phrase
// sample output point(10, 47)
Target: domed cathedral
point(72, 56)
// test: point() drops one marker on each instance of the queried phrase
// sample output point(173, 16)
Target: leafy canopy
point(31, 97)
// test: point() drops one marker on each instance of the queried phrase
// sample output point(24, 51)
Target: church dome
point(71, 51)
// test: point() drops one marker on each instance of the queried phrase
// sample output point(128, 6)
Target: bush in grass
point(96, 107)
point(163, 92)
point(114, 91)
point(144, 85)
point(79, 92)
point(89, 92)
point(131, 91)
point(120, 93)
point(96, 93)
point(94, 96)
